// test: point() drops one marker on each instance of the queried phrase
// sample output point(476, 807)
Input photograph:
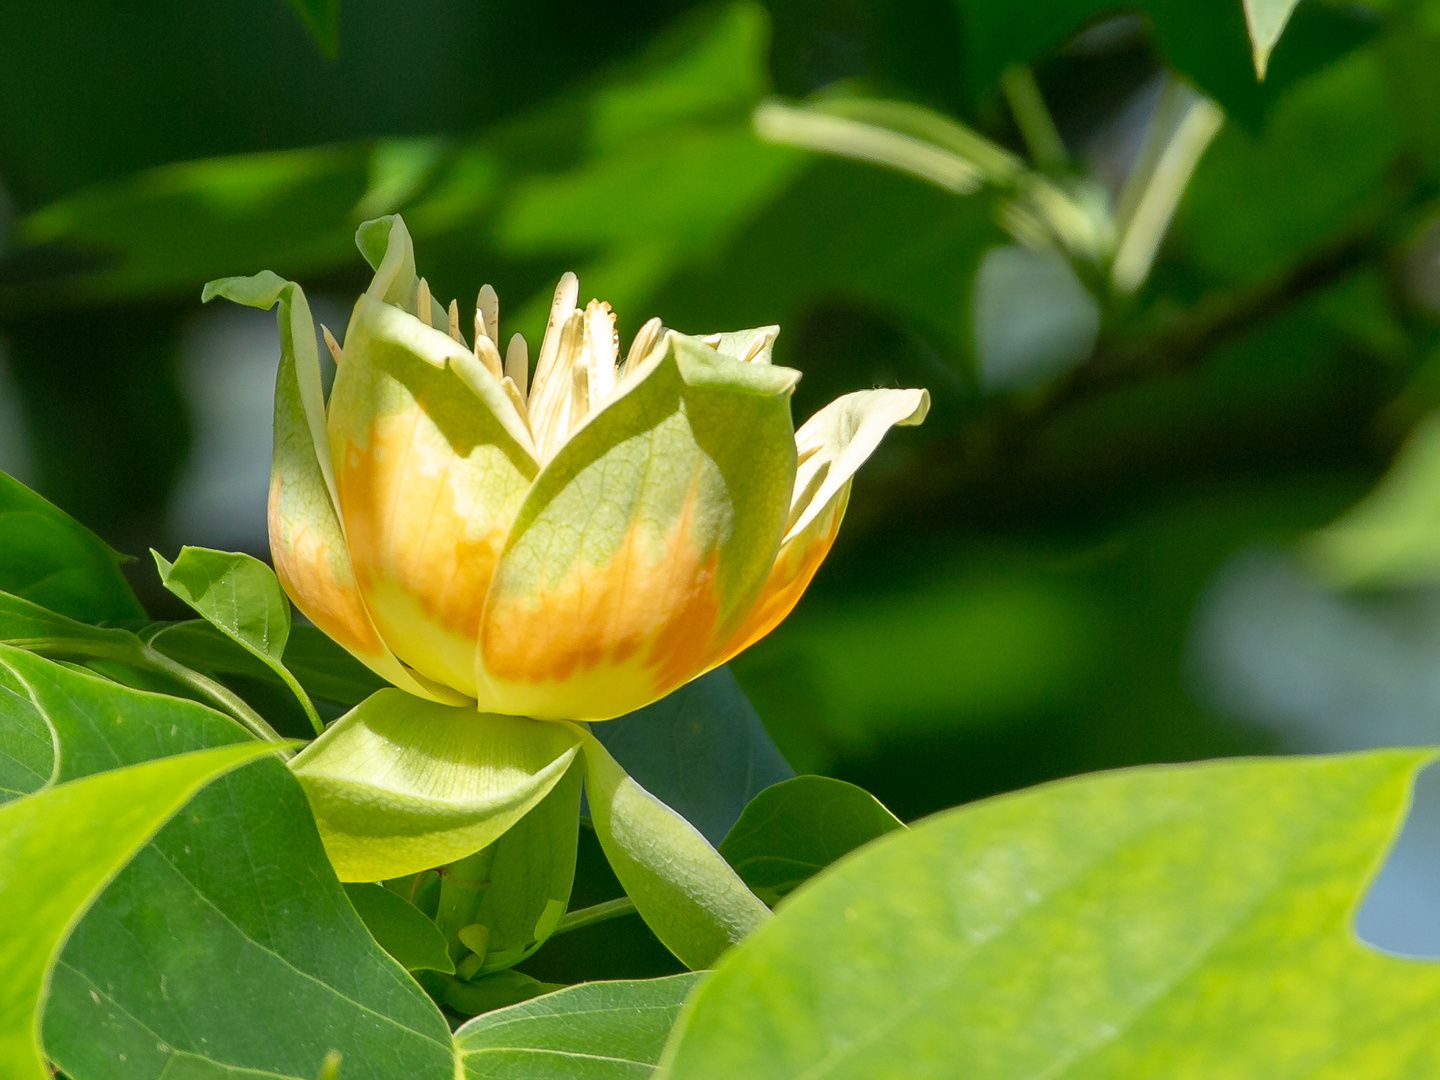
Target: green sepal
point(683, 889)
point(400, 784)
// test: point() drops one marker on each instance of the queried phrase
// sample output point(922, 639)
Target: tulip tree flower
point(520, 555)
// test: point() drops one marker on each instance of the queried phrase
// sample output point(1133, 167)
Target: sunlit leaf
point(1161, 920)
point(58, 848)
point(400, 784)
point(49, 558)
point(595, 1031)
point(793, 830)
point(238, 883)
point(241, 597)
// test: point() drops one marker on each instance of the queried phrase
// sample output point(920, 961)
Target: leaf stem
point(595, 913)
point(1033, 118)
point(216, 693)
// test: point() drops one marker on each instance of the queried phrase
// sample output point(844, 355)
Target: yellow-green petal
point(307, 541)
point(432, 465)
point(833, 444)
point(400, 784)
point(643, 543)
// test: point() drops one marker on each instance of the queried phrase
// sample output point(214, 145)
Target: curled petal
point(644, 542)
point(307, 541)
point(432, 464)
point(832, 446)
point(399, 784)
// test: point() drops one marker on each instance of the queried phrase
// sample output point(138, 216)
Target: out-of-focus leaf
point(1124, 924)
point(237, 884)
point(400, 928)
point(400, 784)
point(595, 1031)
point(1033, 317)
point(1209, 43)
point(686, 893)
point(58, 848)
point(1258, 201)
point(793, 830)
point(322, 19)
point(700, 750)
point(49, 558)
point(1393, 536)
point(241, 597)
point(1266, 21)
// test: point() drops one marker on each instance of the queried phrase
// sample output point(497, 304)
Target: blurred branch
point(1009, 429)
point(1032, 117)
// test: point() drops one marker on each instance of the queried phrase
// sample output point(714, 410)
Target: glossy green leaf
point(1177, 920)
point(793, 830)
point(595, 1031)
point(238, 884)
point(400, 928)
point(400, 784)
point(58, 848)
point(49, 558)
point(701, 750)
point(686, 893)
point(241, 597)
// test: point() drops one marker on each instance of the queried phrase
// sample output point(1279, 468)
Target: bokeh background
point(1114, 541)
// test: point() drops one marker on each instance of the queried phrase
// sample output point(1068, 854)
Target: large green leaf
point(48, 557)
point(793, 830)
point(231, 911)
point(1174, 920)
point(400, 784)
point(701, 750)
point(686, 893)
point(242, 598)
point(595, 1031)
point(122, 656)
point(58, 848)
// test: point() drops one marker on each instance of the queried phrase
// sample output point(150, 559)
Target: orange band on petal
point(794, 568)
point(319, 583)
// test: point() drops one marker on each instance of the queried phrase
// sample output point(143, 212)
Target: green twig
point(1032, 117)
point(596, 913)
